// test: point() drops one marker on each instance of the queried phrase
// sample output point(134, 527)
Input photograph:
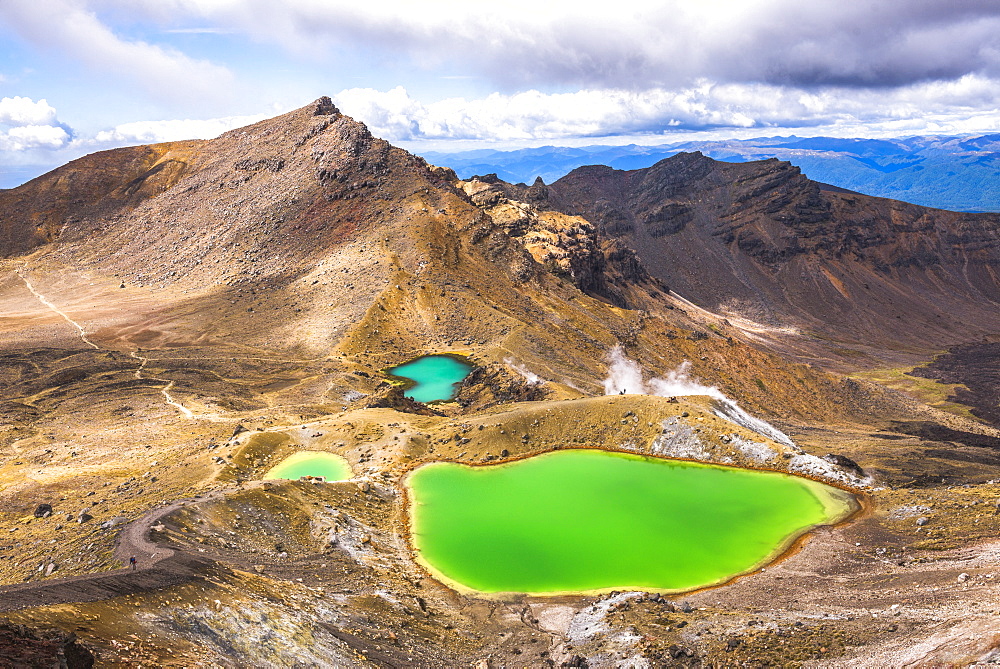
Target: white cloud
point(27, 125)
point(965, 105)
point(68, 27)
point(152, 132)
point(29, 137)
point(25, 111)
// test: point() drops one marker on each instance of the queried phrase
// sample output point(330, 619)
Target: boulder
point(844, 462)
point(21, 646)
point(43, 510)
point(114, 522)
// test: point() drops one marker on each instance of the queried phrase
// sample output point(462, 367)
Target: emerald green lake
point(311, 463)
point(435, 377)
point(587, 520)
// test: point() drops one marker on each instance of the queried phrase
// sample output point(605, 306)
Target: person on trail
point(131, 562)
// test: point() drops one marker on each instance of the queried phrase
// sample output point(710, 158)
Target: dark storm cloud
point(641, 44)
point(884, 44)
point(638, 44)
point(802, 44)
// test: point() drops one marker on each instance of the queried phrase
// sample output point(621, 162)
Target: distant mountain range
point(957, 173)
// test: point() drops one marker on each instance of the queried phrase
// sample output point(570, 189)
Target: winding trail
point(157, 566)
point(47, 303)
point(165, 390)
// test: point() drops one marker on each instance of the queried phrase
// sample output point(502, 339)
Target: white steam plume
point(625, 376)
point(528, 375)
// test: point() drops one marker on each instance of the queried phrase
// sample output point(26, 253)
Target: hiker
point(131, 562)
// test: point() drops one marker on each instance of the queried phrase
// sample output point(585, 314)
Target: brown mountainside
point(762, 242)
point(96, 186)
point(305, 233)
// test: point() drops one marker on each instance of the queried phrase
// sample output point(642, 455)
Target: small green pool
point(434, 378)
point(311, 463)
point(587, 520)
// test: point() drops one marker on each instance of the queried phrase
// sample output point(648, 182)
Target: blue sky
point(78, 76)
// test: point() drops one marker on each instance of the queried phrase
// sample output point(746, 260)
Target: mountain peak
point(324, 107)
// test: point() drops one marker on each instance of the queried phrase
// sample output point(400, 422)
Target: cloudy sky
point(82, 75)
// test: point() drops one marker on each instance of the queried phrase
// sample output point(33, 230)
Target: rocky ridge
point(759, 241)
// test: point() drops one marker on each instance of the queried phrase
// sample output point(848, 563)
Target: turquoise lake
point(433, 378)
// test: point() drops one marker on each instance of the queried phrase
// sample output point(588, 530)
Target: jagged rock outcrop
point(566, 245)
point(490, 385)
point(387, 396)
point(22, 646)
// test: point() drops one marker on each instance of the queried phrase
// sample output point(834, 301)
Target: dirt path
point(168, 385)
point(165, 390)
point(41, 298)
point(158, 566)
